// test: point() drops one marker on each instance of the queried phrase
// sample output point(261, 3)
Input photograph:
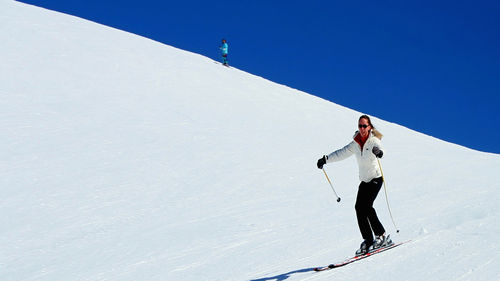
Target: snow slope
point(126, 159)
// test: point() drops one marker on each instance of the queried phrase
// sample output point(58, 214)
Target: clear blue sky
point(432, 66)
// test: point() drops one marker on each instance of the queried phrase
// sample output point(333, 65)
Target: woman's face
point(364, 127)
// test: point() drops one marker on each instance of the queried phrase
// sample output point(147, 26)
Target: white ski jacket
point(367, 162)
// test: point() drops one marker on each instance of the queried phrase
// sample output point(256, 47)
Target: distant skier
point(224, 49)
point(367, 148)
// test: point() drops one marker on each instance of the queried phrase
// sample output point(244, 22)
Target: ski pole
point(386, 198)
point(338, 198)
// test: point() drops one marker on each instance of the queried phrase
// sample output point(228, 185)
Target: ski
point(219, 63)
point(357, 258)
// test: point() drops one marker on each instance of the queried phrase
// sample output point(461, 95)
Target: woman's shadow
point(284, 276)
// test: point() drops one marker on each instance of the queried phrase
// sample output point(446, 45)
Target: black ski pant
point(367, 217)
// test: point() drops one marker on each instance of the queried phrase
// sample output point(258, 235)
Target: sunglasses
point(363, 126)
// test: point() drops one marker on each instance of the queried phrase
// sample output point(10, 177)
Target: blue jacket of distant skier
point(224, 48)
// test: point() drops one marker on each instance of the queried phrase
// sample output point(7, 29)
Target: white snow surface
point(127, 159)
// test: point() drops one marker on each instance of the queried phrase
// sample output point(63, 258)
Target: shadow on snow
point(284, 276)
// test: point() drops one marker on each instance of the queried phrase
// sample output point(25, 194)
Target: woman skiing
point(367, 148)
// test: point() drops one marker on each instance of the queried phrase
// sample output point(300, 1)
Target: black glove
point(378, 153)
point(321, 162)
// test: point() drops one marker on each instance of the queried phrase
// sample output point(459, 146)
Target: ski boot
point(382, 241)
point(364, 247)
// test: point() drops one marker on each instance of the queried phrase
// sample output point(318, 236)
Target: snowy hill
point(126, 159)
